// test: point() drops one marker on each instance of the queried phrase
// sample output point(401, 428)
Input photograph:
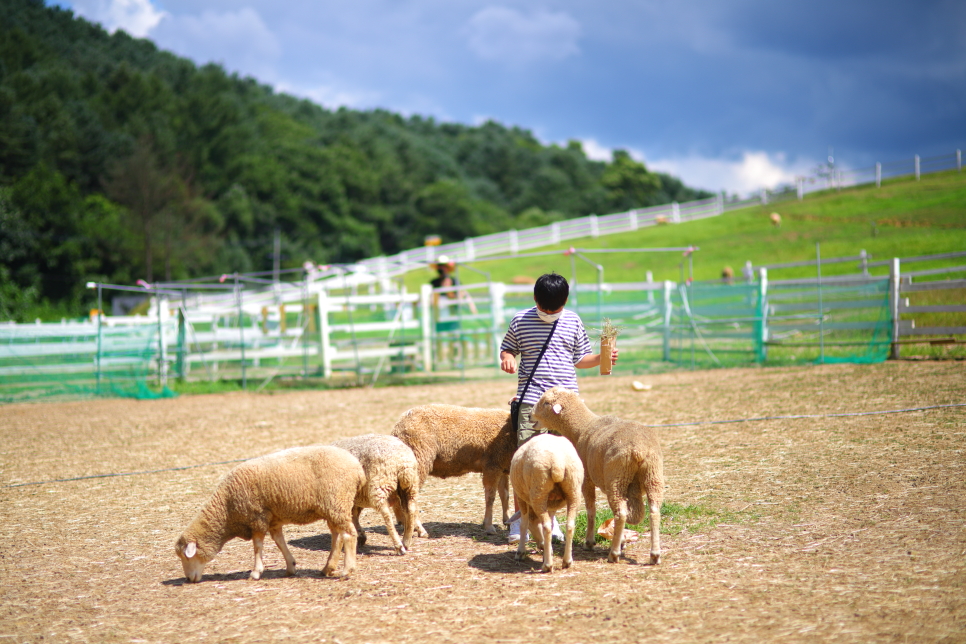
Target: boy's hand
point(508, 362)
point(613, 356)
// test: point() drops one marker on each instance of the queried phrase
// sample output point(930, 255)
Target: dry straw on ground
point(844, 529)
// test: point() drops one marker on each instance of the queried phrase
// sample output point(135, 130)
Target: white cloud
point(238, 39)
point(332, 95)
point(136, 17)
point(595, 150)
point(505, 35)
point(753, 171)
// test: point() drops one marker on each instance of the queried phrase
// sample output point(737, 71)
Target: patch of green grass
point(675, 519)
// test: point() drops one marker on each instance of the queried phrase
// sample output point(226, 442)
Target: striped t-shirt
point(526, 335)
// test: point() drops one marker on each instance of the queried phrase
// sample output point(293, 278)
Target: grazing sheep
point(295, 486)
point(621, 457)
point(776, 220)
point(547, 475)
point(393, 479)
point(451, 441)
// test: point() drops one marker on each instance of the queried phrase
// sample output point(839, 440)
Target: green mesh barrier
point(77, 359)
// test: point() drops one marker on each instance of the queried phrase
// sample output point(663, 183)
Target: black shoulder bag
point(515, 405)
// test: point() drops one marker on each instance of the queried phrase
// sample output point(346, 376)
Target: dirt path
point(845, 529)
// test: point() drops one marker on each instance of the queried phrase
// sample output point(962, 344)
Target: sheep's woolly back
point(390, 465)
point(294, 486)
point(451, 441)
point(546, 461)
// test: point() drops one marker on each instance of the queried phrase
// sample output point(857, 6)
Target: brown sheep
point(451, 441)
point(621, 457)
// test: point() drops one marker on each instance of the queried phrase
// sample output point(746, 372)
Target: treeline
point(121, 162)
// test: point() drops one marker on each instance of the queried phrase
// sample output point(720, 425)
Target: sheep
point(776, 220)
point(621, 457)
point(294, 486)
point(393, 479)
point(451, 441)
point(547, 475)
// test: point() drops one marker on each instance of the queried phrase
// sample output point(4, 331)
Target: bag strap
point(537, 362)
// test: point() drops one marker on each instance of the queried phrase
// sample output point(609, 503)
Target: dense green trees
point(119, 161)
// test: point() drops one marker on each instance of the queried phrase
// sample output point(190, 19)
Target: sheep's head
point(551, 405)
point(193, 561)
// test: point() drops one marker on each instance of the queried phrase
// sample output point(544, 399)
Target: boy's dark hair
point(551, 291)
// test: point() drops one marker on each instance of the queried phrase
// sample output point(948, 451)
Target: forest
point(120, 162)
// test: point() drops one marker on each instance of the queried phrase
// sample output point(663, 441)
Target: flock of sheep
point(336, 482)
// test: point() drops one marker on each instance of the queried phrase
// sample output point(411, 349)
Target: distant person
point(728, 275)
point(446, 278)
point(568, 350)
point(748, 272)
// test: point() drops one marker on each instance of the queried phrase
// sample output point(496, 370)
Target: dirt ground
point(844, 529)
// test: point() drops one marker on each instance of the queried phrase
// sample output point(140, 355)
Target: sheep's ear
point(191, 550)
point(557, 408)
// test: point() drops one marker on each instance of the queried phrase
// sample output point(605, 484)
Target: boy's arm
point(591, 360)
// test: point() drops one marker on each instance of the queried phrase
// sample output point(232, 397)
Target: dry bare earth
point(847, 529)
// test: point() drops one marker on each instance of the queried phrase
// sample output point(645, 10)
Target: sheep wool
point(546, 474)
point(451, 441)
point(621, 457)
point(392, 475)
point(294, 486)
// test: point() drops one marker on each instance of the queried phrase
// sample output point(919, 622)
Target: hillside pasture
point(799, 527)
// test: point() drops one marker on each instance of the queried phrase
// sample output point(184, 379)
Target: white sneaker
point(514, 535)
point(555, 534)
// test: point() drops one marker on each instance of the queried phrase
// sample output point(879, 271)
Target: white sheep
point(546, 474)
point(393, 479)
point(621, 457)
point(451, 441)
point(294, 486)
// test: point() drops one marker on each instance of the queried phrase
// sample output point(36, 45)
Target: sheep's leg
point(654, 498)
point(503, 489)
point(390, 528)
point(524, 526)
point(279, 537)
point(619, 506)
point(356, 513)
point(349, 545)
point(334, 551)
point(491, 480)
point(410, 518)
point(568, 554)
point(590, 502)
point(544, 527)
point(258, 541)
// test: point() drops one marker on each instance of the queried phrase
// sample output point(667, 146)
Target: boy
point(569, 349)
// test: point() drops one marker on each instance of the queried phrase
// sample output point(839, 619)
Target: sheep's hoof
point(588, 545)
point(546, 568)
point(361, 540)
point(567, 563)
point(613, 557)
point(401, 550)
point(655, 558)
point(490, 529)
point(290, 571)
point(521, 556)
point(256, 575)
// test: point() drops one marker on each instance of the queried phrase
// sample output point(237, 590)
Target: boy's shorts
point(526, 430)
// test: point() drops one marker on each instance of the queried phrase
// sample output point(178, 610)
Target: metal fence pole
point(667, 320)
point(241, 331)
point(821, 307)
point(894, 281)
point(100, 322)
point(878, 174)
point(917, 167)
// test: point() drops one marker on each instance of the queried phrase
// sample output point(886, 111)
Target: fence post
point(719, 203)
point(514, 244)
point(425, 322)
point(917, 167)
point(667, 320)
point(100, 322)
point(497, 302)
point(894, 279)
point(878, 174)
point(594, 230)
point(762, 306)
point(865, 262)
point(800, 187)
point(325, 349)
point(649, 278)
point(959, 160)
point(675, 212)
point(162, 344)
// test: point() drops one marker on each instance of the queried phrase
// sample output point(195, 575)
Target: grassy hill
point(903, 218)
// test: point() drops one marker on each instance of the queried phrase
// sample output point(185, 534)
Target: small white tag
point(557, 408)
point(190, 550)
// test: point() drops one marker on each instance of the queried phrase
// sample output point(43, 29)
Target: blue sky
point(732, 95)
